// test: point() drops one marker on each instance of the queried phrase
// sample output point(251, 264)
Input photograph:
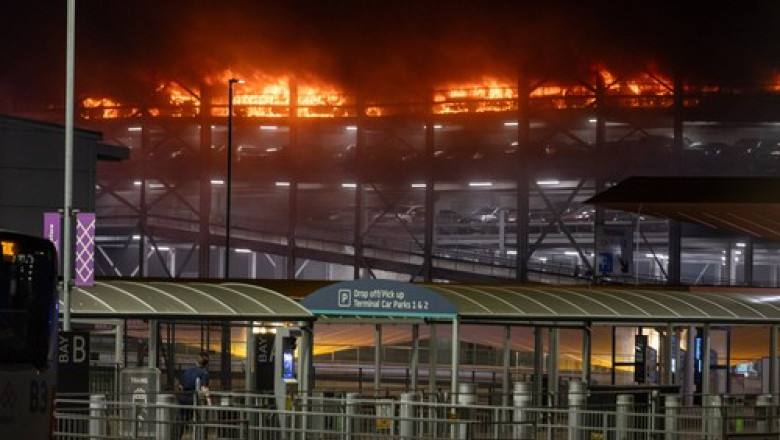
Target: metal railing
point(412, 416)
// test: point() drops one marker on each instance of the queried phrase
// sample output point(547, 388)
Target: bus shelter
point(114, 302)
point(670, 338)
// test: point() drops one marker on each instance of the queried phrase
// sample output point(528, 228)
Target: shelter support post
point(154, 336)
point(507, 380)
point(690, 363)
point(586, 352)
point(249, 371)
point(705, 360)
point(455, 357)
point(774, 387)
point(306, 350)
point(538, 365)
point(668, 354)
point(433, 357)
point(415, 355)
point(553, 371)
point(377, 358)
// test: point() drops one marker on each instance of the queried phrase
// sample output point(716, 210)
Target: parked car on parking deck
point(449, 221)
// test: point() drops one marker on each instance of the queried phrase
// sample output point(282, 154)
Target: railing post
point(625, 405)
point(166, 417)
point(671, 414)
point(467, 395)
point(350, 411)
point(577, 396)
point(522, 398)
point(713, 417)
point(406, 413)
point(98, 421)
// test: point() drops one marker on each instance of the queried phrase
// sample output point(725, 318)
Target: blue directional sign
point(378, 298)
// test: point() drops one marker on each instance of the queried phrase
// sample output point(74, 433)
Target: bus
point(29, 320)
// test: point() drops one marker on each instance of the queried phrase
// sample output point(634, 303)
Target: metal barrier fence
point(351, 417)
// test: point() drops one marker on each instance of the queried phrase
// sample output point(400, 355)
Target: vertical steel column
point(154, 336)
point(507, 380)
point(747, 256)
point(142, 212)
point(601, 124)
point(705, 360)
point(226, 361)
point(774, 386)
point(204, 204)
point(675, 231)
point(292, 203)
point(455, 357)
point(552, 357)
point(229, 178)
point(690, 365)
point(669, 350)
point(360, 184)
point(430, 205)
point(433, 358)
point(377, 358)
point(522, 193)
point(538, 365)
point(415, 355)
point(587, 337)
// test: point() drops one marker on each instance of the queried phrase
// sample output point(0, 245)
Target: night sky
point(125, 46)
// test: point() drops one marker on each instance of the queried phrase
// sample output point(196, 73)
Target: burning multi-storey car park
point(303, 151)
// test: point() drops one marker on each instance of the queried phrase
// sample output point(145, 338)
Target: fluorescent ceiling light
point(418, 185)
point(217, 182)
point(349, 185)
point(480, 183)
point(282, 183)
point(548, 182)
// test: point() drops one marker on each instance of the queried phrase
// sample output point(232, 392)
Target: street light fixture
point(231, 83)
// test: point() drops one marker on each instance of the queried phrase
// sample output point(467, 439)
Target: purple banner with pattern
point(85, 249)
point(52, 228)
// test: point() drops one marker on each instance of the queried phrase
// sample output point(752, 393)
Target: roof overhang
point(744, 205)
point(184, 301)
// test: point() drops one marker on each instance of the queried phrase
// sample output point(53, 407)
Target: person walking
point(194, 384)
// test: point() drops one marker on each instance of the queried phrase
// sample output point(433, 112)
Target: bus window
point(28, 301)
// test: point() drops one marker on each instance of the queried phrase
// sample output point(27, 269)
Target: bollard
point(467, 395)
point(713, 418)
point(577, 395)
point(671, 414)
point(98, 421)
point(166, 416)
point(406, 414)
point(625, 405)
point(522, 399)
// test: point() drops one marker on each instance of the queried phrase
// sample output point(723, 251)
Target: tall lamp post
point(229, 183)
